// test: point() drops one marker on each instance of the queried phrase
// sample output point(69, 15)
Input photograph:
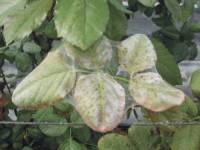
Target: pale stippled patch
point(100, 100)
point(152, 92)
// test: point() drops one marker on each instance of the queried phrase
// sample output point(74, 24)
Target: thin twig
point(4, 80)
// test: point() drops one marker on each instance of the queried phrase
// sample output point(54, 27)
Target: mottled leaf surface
point(94, 58)
point(152, 92)
point(137, 54)
point(51, 81)
point(81, 22)
point(100, 100)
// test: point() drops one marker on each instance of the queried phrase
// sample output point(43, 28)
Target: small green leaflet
point(70, 144)
point(22, 23)
point(51, 81)
point(100, 100)
point(141, 137)
point(115, 141)
point(194, 83)
point(81, 22)
point(186, 138)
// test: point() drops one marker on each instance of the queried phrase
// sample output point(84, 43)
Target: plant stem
point(121, 79)
point(4, 80)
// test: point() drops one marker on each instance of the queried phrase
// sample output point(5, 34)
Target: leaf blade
point(79, 25)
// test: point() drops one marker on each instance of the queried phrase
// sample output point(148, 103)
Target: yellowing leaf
point(152, 92)
point(23, 22)
point(51, 81)
point(94, 58)
point(137, 54)
point(81, 22)
point(100, 100)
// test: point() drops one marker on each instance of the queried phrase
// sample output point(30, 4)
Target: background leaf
point(186, 138)
point(114, 142)
point(117, 25)
point(25, 21)
point(142, 137)
point(166, 64)
point(76, 21)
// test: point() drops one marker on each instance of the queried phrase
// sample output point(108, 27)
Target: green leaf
point(114, 141)
point(31, 47)
point(50, 82)
point(194, 83)
point(48, 114)
point(27, 148)
point(4, 133)
point(100, 100)
point(152, 92)
point(53, 130)
point(9, 7)
point(186, 138)
point(48, 28)
point(22, 61)
point(189, 107)
point(180, 51)
point(70, 145)
point(84, 136)
point(76, 118)
point(166, 64)
point(175, 9)
point(64, 105)
point(22, 23)
point(95, 57)
point(117, 25)
point(187, 8)
point(180, 13)
point(142, 137)
point(137, 54)
point(148, 3)
point(42, 113)
point(76, 21)
point(118, 5)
